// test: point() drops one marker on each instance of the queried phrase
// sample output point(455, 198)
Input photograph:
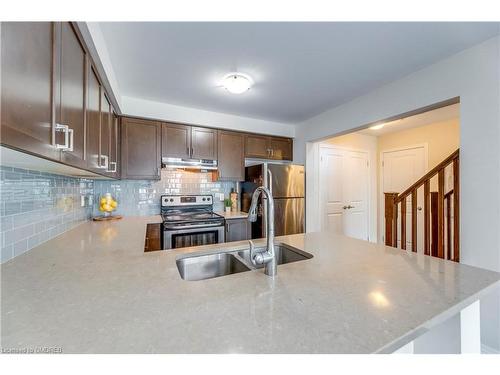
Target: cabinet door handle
point(106, 162)
point(71, 140)
point(188, 151)
point(114, 165)
point(60, 128)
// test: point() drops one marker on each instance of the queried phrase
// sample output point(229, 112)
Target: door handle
point(63, 129)
point(106, 162)
point(270, 181)
point(419, 208)
point(349, 207)
point(345, 208)
point(112, 164)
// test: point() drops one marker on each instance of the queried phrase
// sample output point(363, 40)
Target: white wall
point(92, 35)
point(188, 115)
point(474, 76)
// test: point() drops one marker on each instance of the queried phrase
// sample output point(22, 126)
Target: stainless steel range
point(189, 220)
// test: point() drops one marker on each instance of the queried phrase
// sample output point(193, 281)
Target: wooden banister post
point(427, 209)
point(391, 214)
point(414, 221)
point(456, 210)
point(434, 223)
point(440, 215)
point(403, 224)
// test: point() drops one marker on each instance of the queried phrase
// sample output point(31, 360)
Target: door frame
point(381, 218)
point(369, 171)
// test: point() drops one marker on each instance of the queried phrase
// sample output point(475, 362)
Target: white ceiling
point(299, 69)
point(451, 112)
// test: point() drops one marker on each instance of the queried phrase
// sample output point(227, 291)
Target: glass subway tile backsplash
point(37, 206)
point(139, 198)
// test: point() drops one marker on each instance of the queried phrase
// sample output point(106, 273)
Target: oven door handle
point(193, 226)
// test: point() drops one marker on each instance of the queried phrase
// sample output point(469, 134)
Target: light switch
point(82, 200)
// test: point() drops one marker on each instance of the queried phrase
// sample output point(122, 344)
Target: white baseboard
point(485, 349)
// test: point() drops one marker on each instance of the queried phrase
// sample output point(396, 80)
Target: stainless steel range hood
point(201, 164)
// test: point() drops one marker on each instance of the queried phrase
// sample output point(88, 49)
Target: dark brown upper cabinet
point(257, 146)
point(93, 121)
point(264, 147)
point(231, 156)
point(26, 68)
point(203, 143)
point(176, 140)
point(188, 142)
point(281, 148)
point(140, 149)
point(70, 90)
point(105, 139)
point(114, 162)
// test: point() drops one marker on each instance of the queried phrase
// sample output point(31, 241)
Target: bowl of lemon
point(107, 204)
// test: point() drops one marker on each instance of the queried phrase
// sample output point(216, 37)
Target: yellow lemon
point(107, 207)
point(103, 200)
point(114, 204)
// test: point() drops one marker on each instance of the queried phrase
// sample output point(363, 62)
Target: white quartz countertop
point(233, 214)
point(94, 290)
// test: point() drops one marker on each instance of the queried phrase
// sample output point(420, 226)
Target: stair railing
point(438, 224)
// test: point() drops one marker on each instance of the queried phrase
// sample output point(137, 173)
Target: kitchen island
point(94, 290)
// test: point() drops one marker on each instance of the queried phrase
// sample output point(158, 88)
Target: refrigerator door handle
point(270, 180)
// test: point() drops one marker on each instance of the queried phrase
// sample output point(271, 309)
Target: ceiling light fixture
point(377, 127)
point(237, 83)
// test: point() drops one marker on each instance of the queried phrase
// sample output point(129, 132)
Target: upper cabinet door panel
point(203, 143)
point(71, 94)
point(281, 148)
point(231, 156)
point(176, 140)
point(26, 68)
point(93, 120)
point(257, 146)
point(141, 149)
point(105, 132)
point(113, 157)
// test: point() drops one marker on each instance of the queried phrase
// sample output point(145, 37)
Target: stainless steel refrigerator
point(287, 185)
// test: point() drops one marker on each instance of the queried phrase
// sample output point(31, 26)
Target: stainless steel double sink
point(209, 266)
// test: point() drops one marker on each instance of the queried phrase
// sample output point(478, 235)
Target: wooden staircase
point(441, 213)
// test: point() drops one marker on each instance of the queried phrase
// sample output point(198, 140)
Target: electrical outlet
point(221, 196)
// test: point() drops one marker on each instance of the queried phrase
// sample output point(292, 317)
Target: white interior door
point(400, 169)
point(356, 180)
point(344, 178)
point(331, 190)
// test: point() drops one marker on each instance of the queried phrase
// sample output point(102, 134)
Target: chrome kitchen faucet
point(267, 257)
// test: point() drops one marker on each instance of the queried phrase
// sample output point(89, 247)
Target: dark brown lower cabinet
point(231, 156)
point(26, 69)
point(153, 237)
point(140, 149)
point(238, 230)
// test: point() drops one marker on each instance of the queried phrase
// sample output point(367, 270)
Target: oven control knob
point(208, 199)
point(203, 199)
point(171, 199)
